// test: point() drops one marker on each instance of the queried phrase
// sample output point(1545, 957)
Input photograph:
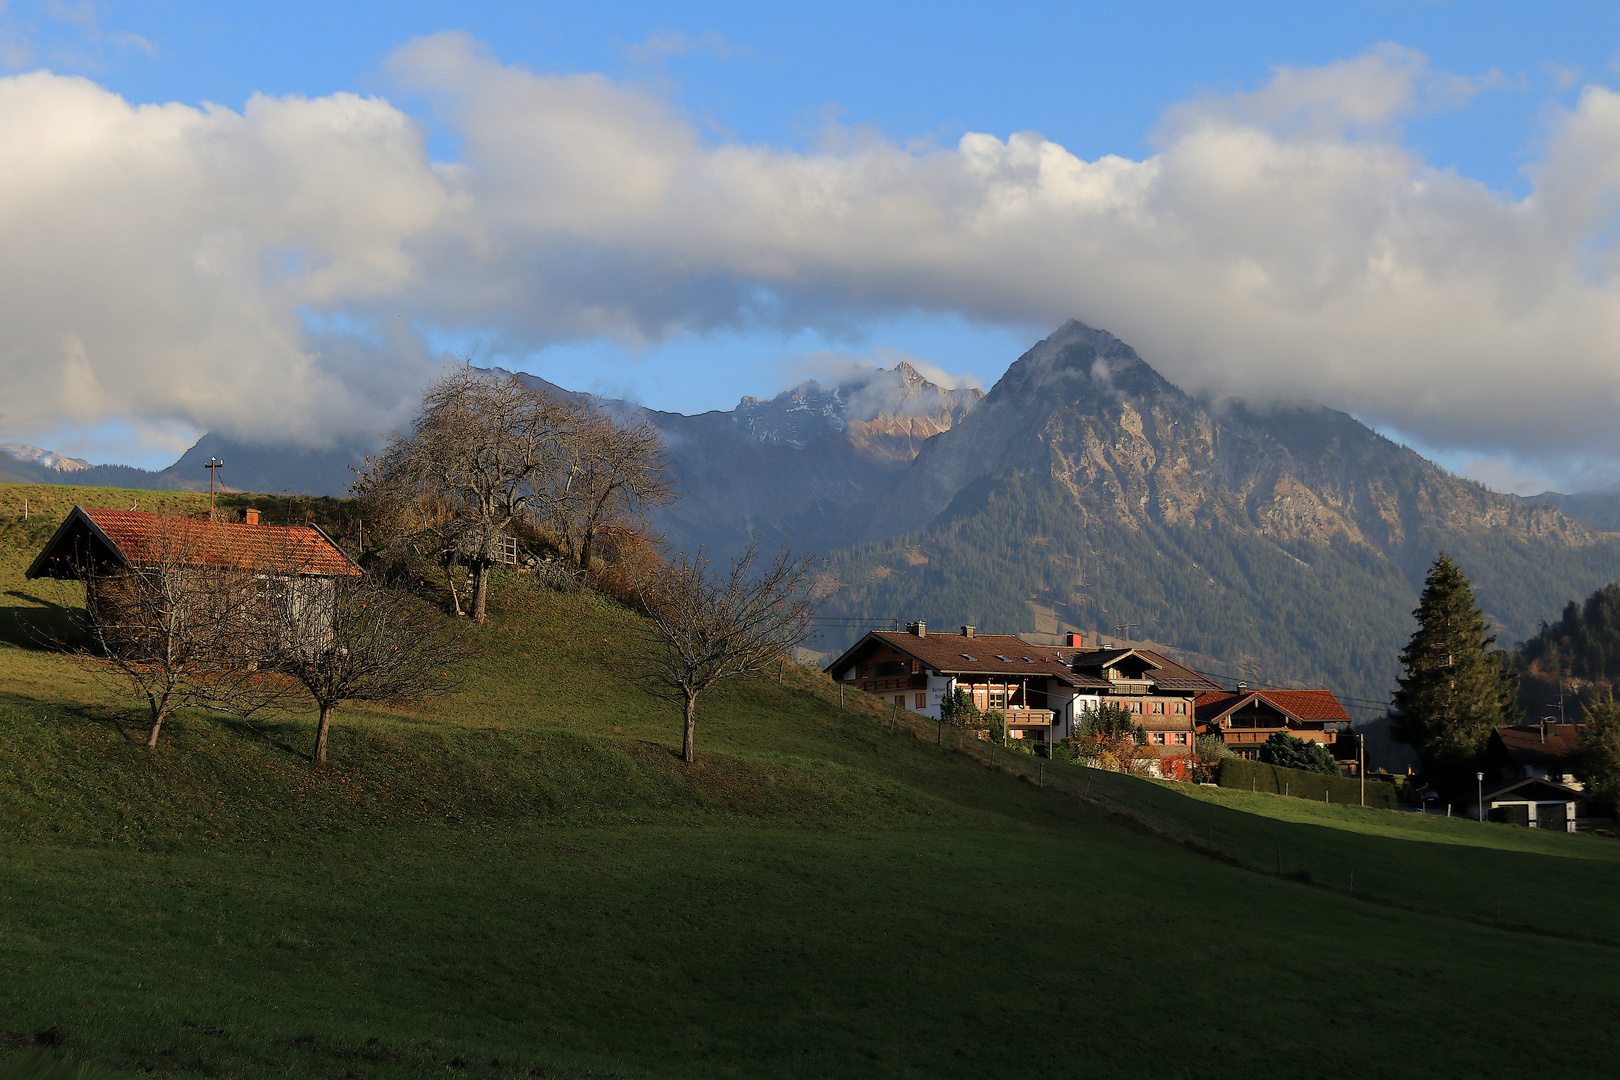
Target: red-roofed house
point(104, 539)
point(1247, 718)
point(95, 545)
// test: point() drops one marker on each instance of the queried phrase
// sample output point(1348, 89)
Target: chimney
point(250, 516)
point(967, 631)
point(918, 628)
point(1075, 641)
point(1548, 730)
point(1242, 687)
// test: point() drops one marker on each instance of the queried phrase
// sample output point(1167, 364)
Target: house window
point(1181, 738)
point(1158, 737)
point(1181, 708)
point(900, 700)
point(1134, 706)
point(998, 697)
point(922, 702)
point(1158, 708)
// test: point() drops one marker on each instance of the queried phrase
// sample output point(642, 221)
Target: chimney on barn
point(967, 631)
point(917, 629)
point(1074, 641)
point(250, 516)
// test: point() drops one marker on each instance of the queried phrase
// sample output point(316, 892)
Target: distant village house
point(1044, 691)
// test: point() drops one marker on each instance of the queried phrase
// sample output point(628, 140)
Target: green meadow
point(524, 880)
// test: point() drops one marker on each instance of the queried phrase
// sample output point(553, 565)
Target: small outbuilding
point(95, 546)
point(1534, 801)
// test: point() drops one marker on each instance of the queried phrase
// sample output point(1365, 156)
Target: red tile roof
point(1526, 744)
point(1300, 704)
point(141, 538)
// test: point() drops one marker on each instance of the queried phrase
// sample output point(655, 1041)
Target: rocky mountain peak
point(47, 459)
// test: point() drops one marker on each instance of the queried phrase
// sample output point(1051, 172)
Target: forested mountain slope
point(1086, 491)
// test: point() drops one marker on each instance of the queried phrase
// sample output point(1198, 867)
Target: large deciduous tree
point(1456, 688)
point(482, 451)
point(488, 455)
point(702, 630)
point(613, 472)
point(361, 640)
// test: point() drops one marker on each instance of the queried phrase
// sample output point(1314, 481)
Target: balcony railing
point(1021, 717)
point(893, 682)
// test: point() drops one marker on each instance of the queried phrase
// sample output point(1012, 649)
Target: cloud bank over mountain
point(275, 271)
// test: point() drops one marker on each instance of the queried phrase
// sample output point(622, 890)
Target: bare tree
point(185, 628)
point(483, 449)
point(615, 471)
point(487, 453)
point(703, 629)
point(361, 640)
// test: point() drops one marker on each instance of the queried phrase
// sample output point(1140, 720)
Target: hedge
point(1248, 775)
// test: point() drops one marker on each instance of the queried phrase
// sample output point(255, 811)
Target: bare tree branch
point(364, 641)
point(190, 626)
point(703, 630)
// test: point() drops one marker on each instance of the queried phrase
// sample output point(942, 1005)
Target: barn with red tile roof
point(105, 539)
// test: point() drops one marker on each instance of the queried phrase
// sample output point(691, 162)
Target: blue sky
point(1487, 90)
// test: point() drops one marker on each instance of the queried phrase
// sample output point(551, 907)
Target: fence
point(1387, 856)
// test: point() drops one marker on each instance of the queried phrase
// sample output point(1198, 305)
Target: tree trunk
point(689, 746)
point(585, 550)
point(480, 593)
point(160, 711)
point(320, 734)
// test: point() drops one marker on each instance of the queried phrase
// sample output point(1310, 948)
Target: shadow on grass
point(43, 625)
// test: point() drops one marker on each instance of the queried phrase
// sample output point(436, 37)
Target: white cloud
point(1282, 242)
point(666, 43)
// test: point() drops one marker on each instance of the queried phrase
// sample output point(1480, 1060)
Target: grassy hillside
point(524, 881)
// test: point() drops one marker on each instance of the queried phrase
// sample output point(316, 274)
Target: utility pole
point(213, 465)
point(1362, 768)
point(1123, 629)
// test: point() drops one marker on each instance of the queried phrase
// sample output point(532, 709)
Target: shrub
point(1285, 751)
point(996, 721)
point(1244, 775)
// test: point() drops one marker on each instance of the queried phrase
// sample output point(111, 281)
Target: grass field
point(524, 880)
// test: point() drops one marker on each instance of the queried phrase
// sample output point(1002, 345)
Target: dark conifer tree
point(1455, 688)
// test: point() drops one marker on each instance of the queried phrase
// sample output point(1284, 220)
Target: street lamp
point(1479, 780)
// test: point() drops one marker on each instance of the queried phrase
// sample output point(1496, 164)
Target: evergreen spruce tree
point(1456, 689)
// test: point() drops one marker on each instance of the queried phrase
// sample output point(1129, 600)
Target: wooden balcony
point(1021, 717)
point(918, 681)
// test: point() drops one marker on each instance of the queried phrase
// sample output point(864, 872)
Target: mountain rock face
point(45, 459)
point(1600, 508)
point(1087, 492)
point(807, 467)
